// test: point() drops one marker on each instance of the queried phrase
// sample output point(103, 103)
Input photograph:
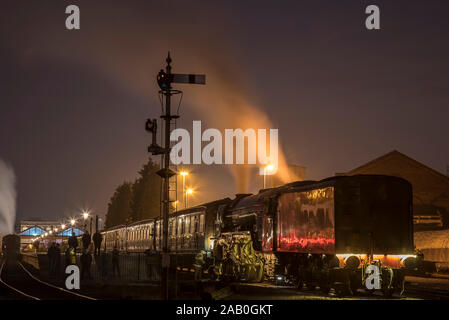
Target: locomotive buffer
point(164, 80)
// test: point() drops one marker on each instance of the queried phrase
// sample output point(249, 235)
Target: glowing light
point(183, 173)
point(62, 226)
point(347, 255)
point(269, 167)
point(85, 215)
point(72, 222)
point(189, 191)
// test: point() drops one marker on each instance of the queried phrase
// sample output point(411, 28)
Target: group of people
point(54, 254)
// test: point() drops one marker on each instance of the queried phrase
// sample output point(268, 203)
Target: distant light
point(72, 221)
point(50, 232)
point(183, 173)
point(189, 191)
point(62, 226)
point(85, 215)
point(269, 167)
point(56, 229)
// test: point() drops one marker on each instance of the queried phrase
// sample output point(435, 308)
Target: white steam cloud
point(7, 199)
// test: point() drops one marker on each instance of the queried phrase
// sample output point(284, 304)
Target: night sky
point(73, 103)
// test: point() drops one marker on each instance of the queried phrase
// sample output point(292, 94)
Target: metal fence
point(130, 266)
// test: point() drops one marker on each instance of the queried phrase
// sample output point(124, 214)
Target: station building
point(430, 187)
point(34, 228)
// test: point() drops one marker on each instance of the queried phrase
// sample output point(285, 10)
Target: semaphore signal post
point(165, 80)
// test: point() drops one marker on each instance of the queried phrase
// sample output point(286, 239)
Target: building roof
point(397, 154)
point(33, 231)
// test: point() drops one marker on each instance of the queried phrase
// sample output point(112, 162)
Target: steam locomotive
point(11, 247)
point(322, 234)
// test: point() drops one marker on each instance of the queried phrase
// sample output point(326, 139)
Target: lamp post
point(265, 169)
point(184, 174)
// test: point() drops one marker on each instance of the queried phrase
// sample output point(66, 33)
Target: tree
point(119, 207)
point(146, 199)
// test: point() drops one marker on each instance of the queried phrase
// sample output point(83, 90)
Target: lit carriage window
point(179, 226)
point(187, 227)
point(170, 226)
point(201, 223)
point(194, 224)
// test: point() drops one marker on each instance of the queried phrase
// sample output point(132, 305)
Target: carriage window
point(201, 228)
point(172, 227)
point(179, 226)
point(187, 228)
point(194, 224)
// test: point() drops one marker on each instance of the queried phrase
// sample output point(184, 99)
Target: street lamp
point(62, 226)
point(265, 170)
point(85, 216)
point(72, 222)
point(188, 191)
point(184, 174)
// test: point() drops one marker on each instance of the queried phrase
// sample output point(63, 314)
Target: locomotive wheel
point(342, 289)
point(354, 286)
point(370, 291)
point(388, 292)
point(310, 286)
point(300, 284)
point(325, 288)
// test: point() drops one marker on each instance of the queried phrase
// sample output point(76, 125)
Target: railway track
point(22, 284)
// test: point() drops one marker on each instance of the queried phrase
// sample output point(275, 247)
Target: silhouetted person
point(86, 240)
point(98, 238)
point(67, 256)
point(89, 261)
point(51, 260)
point(115, 261)
point(73, 241)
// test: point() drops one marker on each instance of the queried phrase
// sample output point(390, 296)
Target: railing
point(130, 267)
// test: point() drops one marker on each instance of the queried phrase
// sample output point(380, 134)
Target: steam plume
point(7, 199)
